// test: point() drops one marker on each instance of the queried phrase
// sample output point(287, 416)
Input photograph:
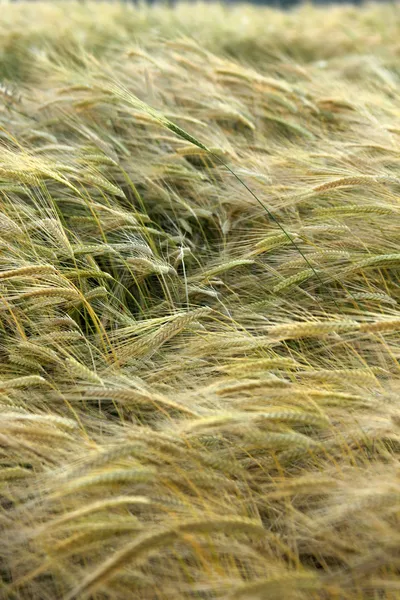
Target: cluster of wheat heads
point(199, 393)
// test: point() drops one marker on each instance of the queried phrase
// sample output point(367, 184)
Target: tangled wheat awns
point(195, 403)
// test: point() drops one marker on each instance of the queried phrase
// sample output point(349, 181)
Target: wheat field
point(199, 299)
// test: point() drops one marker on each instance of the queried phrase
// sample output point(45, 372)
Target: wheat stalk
point(354, 181)
point(148, 543)
point(28, 271)
point(311, 329)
